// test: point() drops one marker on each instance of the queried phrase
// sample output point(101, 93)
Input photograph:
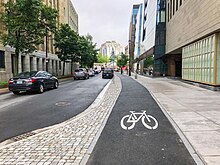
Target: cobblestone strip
point(67, 144)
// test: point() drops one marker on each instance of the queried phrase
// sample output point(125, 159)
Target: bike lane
point(138, 145)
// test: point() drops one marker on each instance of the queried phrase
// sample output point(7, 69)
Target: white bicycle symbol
point(134, 117)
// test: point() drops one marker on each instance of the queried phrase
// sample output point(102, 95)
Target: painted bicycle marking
point(134, 117)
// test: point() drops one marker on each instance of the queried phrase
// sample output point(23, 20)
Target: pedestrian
point(121, 70)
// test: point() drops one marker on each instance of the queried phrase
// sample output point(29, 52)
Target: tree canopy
point(122, 60)
point(26, 22)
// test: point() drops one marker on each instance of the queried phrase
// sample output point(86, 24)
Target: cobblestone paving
point(67, 144)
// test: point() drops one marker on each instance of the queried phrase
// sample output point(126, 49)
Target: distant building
point(109, 46)
point(10, 64)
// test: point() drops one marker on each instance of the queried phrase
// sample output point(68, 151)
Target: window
point(173, 7)
point(2, 59)
point(177, 5)
point(170, 9)
point(168, 12)
point(180, 2)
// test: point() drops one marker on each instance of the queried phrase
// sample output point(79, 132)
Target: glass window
point(2, 59)
point(177, 5)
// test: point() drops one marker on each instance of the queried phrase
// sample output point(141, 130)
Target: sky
point(105, 20)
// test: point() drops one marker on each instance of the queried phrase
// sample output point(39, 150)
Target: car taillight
point(10, 81)
point(31, 80)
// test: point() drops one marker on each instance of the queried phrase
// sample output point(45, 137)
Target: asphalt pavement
point(138, 145)
point(26, 112)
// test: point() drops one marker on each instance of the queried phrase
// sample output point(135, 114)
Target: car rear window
point(78, 70)
point(27, 74)
point(107, 71)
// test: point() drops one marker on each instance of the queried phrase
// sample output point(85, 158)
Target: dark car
point(108, 73)
point(32, 81)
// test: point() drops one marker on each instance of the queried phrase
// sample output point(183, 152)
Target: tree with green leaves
point(66, 44)
point(148, 62)
point(102, 59)
point(122, 60)
point(26, 21)
point(87, 51)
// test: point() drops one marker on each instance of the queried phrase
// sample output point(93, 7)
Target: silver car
point(80, 73)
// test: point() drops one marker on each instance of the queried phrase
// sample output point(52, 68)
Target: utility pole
point(130, 60)
point(46, 52)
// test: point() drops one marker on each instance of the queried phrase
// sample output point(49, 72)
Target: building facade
point(192, 40)
point(10, 64)
point(108, 47)
point(150, 35)
point(132, 35)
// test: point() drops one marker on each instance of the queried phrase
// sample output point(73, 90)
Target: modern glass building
point(150, 36)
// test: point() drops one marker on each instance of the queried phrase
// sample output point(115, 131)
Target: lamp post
point(113, 57)
point(46, 52)
point(130, 60)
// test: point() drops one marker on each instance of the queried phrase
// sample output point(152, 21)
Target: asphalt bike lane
point(138, 133)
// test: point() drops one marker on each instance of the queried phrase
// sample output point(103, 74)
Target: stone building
point(11, 65)
point(193, 40)
point(108, 46)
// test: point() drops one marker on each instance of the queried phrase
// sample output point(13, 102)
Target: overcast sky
point(105, 19)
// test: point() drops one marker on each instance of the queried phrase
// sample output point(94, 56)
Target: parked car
point(80, 73)
point(32, 81)
point(91, 72)
point(108, 73)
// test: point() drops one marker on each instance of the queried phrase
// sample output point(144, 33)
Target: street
point(26, 112)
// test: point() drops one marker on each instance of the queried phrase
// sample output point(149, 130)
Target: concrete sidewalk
point(194, 111)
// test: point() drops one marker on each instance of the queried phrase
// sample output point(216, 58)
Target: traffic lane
point(7, 99)
point(49, 108)
point(138, 145)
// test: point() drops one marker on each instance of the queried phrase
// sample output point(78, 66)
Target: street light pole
point(129, 47)
point(46, 52)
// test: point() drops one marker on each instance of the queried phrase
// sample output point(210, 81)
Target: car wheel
point(56, 84)
point(88, 77)
point(85, 78)
point(41, 88)
point(16, 92)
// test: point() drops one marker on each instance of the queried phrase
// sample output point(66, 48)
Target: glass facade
point(200, 61)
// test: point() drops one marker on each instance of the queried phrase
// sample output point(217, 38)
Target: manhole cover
point(63, 103)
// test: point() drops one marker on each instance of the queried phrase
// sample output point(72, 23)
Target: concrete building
point(11, 65)
point(192, 44)
point(109, 46)
point(132, 37)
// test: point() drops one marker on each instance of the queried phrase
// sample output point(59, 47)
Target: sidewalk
point(194, 110)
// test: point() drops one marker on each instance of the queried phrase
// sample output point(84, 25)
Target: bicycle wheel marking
point(128, 121)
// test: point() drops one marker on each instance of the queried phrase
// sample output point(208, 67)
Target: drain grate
point(23, 136)
point(62, 103)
